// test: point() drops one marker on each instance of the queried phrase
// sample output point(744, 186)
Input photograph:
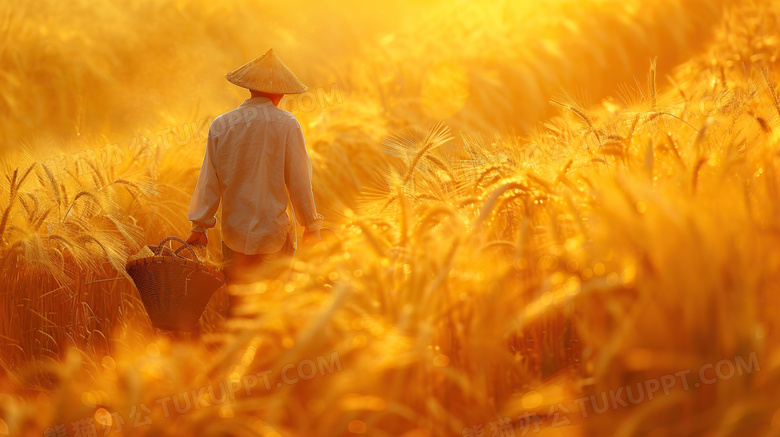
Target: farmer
point(255, 156)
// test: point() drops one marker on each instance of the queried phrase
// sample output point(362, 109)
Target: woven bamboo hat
point(267, 74)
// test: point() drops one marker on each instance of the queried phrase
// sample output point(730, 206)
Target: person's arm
point(297, 174)
point(205, 199)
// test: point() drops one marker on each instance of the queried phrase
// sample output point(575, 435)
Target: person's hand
point(199, 238)
point(311, 238)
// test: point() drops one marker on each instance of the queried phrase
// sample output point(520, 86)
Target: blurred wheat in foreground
point(513, 259)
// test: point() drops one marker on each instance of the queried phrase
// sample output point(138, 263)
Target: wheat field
point(554, 218)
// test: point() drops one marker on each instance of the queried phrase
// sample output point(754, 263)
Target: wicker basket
point(174, 290)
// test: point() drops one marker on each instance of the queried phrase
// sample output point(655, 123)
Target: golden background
point(536, 201)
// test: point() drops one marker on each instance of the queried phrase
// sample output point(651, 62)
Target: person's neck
point(274, 98)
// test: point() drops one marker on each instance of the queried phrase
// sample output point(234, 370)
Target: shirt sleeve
point(297, 175)
point(205, 199)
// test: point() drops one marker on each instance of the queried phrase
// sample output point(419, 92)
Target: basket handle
point(184, 245)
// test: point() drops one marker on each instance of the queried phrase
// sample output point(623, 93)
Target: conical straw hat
point(267, 74)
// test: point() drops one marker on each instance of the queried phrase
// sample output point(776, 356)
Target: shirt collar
point(256, 101)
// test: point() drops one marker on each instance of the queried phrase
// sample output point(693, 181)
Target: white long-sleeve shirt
point(255, 155)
